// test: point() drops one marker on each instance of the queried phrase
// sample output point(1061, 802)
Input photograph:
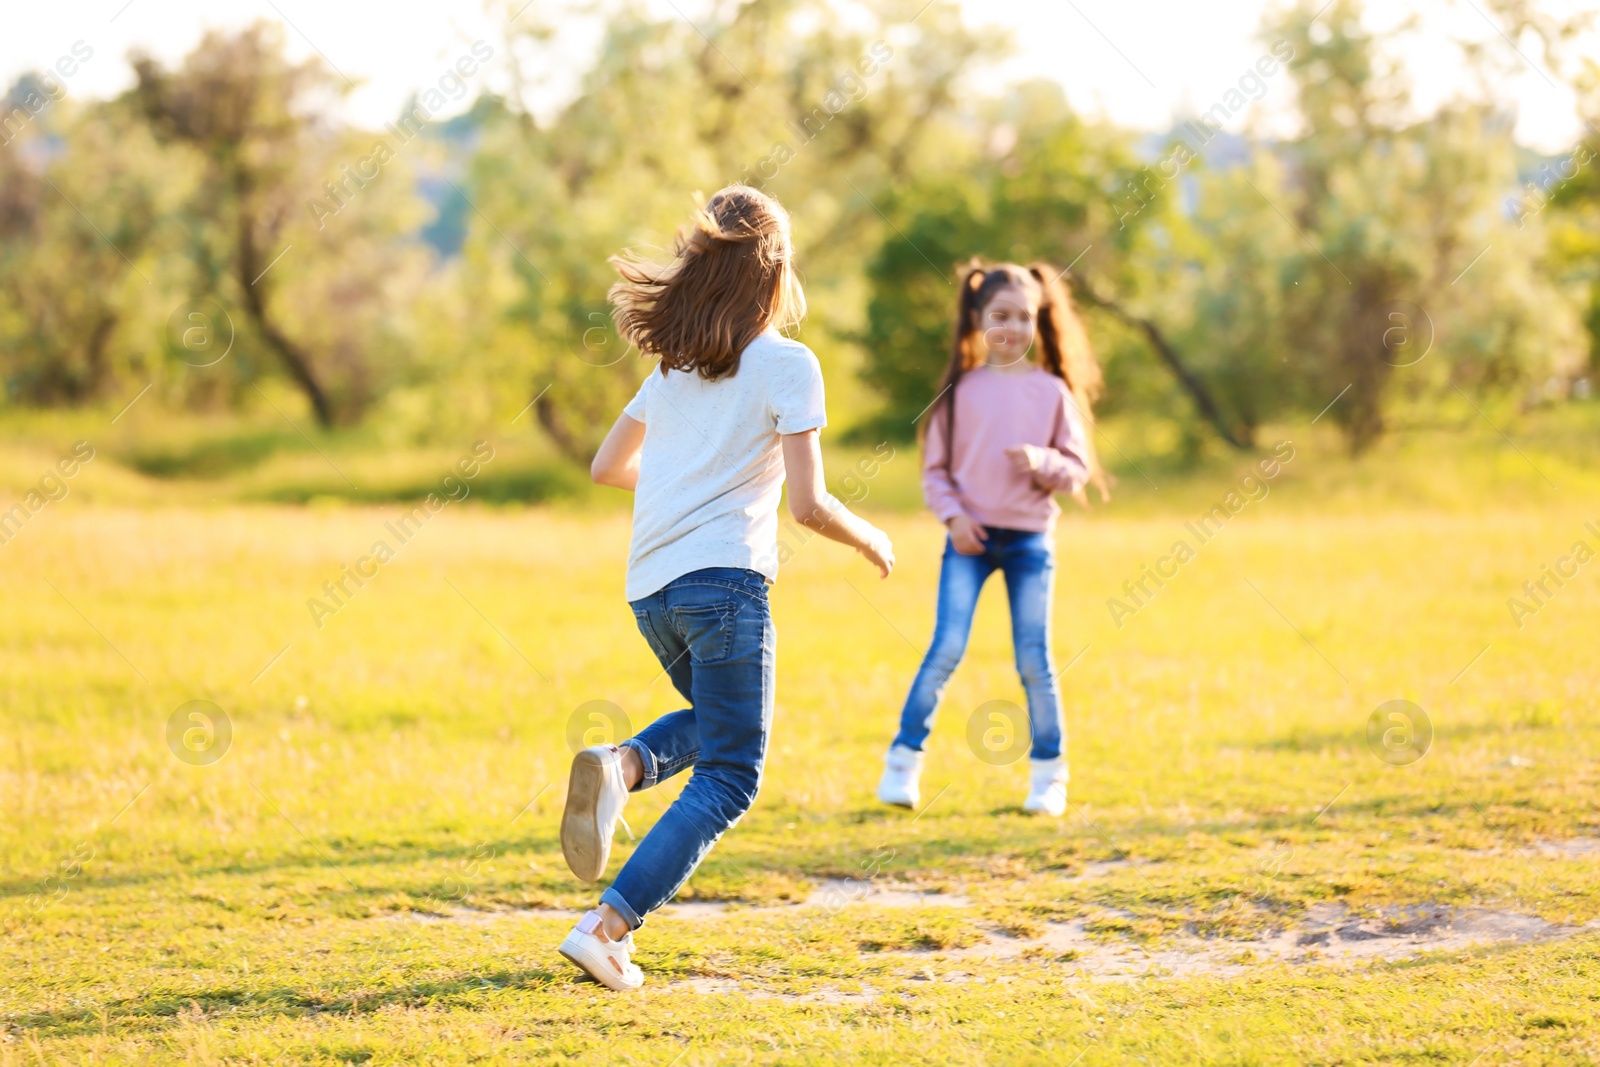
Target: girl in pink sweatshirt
point(1009, 429)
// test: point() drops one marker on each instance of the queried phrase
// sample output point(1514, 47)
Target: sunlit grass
point(406, 760)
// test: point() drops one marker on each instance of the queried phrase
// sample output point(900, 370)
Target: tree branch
point(296, 359)
point(1204, 402)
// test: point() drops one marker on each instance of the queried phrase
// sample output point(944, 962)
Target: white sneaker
point(605, 960)
point(1047, 795)
point(596, 794)
point(902, 768)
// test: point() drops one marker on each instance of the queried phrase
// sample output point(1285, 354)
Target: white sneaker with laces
point(606, 961)
point(1047, 794)
point(596, 794)
point(902, 768)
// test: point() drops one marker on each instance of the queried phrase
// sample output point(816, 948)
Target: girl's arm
point(816, 509)
point(940, 492)
point(617, 462)
point(1063, 465)
point(937, 489)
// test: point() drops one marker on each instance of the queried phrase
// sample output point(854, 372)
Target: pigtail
point(1064, 344)
point(963, 355)
point(1063, 347)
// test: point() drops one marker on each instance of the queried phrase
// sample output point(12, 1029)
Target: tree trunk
point(1242, 438)
point(95, 354)
point(550, 418)
point(1366, 362)
point(255, 301)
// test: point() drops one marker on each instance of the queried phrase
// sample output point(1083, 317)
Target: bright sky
point(1136, 62)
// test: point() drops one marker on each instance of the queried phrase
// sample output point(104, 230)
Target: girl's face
point(1006, 325)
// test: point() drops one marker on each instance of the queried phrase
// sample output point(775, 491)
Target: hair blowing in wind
point(731, 278)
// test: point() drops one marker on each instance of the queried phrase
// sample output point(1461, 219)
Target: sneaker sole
point(586, 849)
point(600, 973)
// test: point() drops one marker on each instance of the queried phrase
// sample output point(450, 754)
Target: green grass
point(405, 762)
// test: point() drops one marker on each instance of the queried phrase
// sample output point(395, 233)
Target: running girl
point(1007, 432)
point(705, 446)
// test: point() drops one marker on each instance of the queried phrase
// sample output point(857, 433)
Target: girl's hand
point(967, 535)
point(813, 508)
point(1026, 458)
point(879, 552)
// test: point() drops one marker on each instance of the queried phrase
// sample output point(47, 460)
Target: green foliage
point(74, 291)
point(1036, 190)
point(783, 95)
point(1394, 217)
point(241, 114)
point(1236, 287)
point(1325, 266)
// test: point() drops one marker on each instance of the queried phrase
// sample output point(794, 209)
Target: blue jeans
point(712, 631)
point(1028, 562)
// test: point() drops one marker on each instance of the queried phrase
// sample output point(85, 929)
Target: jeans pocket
point(706, 628)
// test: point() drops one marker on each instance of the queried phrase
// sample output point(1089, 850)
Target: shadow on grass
point(319, 859)
point(1321, 741)
point(1015, 843)
point(162, 1009)
point(513, 478)
point(212, 457)
point(529, 483)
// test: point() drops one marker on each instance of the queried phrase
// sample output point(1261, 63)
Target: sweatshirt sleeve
point(937, 488)
point(1065, 466)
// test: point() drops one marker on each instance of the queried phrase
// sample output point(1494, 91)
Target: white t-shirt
point(711, 468)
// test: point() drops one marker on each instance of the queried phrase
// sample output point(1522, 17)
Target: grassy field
point(370, 873)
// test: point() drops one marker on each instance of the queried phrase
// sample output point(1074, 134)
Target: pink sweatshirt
point(994, 410)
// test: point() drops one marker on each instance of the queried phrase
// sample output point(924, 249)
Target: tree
point(1393, 216)
point(273, 174)
point(781, 94)
point(1568, 188)
point(79, 203)
point(1039, 184)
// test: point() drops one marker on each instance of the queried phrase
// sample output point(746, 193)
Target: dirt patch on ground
point(1329, 934)
point(832, 895)
point(1099, 869)
point(829, 896)
point(478, 916)
point(843, 892)
point(728, 986)
point(1570, 848)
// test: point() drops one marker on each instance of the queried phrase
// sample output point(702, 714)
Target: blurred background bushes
point(426, 292)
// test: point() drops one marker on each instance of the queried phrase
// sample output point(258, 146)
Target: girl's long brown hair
point(1063, 344)
point(732, 277)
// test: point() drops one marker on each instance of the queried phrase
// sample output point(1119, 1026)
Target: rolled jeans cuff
point(655, 768)
point(623, 908)
point(647, 759)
